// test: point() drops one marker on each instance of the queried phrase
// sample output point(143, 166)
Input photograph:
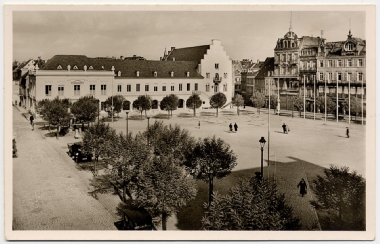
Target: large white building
point(204, 70)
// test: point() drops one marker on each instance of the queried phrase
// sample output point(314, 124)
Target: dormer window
point(119, 73)
point(216, 66)
point(102, 67)
point(225, 75)
point(172, 74)
point(155, 73)
point(349, 46)
point(75, 67)
point(188, 74)
point(59, 67)
point(85, 67)
point(90, 67)
point(138, 73)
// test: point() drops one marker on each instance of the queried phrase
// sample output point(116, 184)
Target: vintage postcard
point(189, 122)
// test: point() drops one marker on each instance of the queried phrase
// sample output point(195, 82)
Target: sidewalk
point(48, 193)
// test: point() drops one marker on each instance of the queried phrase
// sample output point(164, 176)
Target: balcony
point(217, 80)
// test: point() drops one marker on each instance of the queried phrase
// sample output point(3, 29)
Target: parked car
point(75, 151)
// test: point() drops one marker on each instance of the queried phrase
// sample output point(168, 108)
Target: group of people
point(285, 128)
point(235, 127)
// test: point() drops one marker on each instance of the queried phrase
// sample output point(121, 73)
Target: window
point(172, 74)
point(128, 88)
point(349, 63)
point(137, 87)
point(224, 87)
point(59, 67)
point(349, 46)
point(330, 76)
point(155, 73)
point(92, 89)
point(339, 63)
point(172, 87)
point(188, 74)
point(339, 76)
point(118, 88)
point(137, 73)
point(163, 88)
point(196, 86)
point(146, 88)
point(321, 63)
point(76, 90)
point(188, 86)
point(225, 75)
point(329, 63)
point(91, 67)
point(155, 88)
point(215, 88)
point(348, 76)
point(48, 90)
point(179, 87)
point(320, 76)
point(360, 76)
point(208, 75)
point(281, 71)
point(216, 66)
point(75, 67)
point(208, 87)
point(61, 91)
point(103, 89)
point(360, 62)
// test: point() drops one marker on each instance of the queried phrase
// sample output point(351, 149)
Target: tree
point(55, 112)
point(273, 102)
point(341, 194)
point(211, 158)
point(143, 103)
point(115, 101)
point(298, 103)
point(96, 141)
point(258, 100)
point(194, 102)
point(238, 101)
point(169, 103)
point(86, 109)
point(217, 101)
point(164, 188)
point(355, 105)
point(331, 106)
point(250, 205)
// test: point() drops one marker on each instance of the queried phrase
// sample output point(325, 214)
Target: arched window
point(207, 87)
point(349, 46)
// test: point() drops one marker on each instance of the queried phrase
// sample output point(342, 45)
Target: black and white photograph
point(172, 122)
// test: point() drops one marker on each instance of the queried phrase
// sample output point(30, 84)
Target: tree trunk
point(216, 111)
point(57, 131)
point(292, 110)
point(124, 192)
point(164, 217)
point(210, 190)
point(194, 113)
point(49, 127)
point(238, 111)
point(141, 115)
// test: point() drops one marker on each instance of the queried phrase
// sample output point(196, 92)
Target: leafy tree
point(194, 102)
point(331, 106)
point(238, 101)
point(164, 188)
point(211, 158)
point(298, 103)
point(217, 101)
point(126, 105)
point(273, 102)
point(258, 100)
point(143, 103)
point(169, 103)
point(96, 141)
point(341, 194)
point(250, 205)
point(117, 102)
point(86, 109)
point(355, 105)
point(55, 112)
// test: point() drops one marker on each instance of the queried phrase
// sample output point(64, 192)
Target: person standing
point(347, 132)
point(284, 128)
point(31, 118)
point(235, 126)
point(230, 126)
point(303, 187)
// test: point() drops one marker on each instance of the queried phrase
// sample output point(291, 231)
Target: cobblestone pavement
point(48, 192)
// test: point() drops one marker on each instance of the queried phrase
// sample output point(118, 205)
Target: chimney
point(172, 48)
point(258, 61)
point(134, 55)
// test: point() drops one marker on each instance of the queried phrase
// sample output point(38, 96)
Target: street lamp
point(262, 144)
point(127, 122)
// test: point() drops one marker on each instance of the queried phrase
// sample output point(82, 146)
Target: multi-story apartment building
point(204, 70)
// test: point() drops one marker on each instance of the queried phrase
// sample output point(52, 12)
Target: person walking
point(230, 126)
point(235, 126)
point(199, 125)
point(347, 132)
point(303, 187)
point(31, 118)
point(284, 128)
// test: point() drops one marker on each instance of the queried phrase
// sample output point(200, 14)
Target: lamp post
point(127, 122)
point(262, 144)
point(314, 96)
point(304, 96)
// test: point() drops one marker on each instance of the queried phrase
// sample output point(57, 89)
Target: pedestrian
point(230, 126)
point(284, 128)
point(347, 132)
point(199, 125)
point(31, 118)
point(303, 187)
point(235, 126)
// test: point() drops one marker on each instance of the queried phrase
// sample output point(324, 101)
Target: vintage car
point(75, 151)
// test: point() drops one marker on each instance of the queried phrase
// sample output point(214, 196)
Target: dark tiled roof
point(268, 66)
point(189, 53)
point(308, 41)
point(128, 68)
point(22, 65)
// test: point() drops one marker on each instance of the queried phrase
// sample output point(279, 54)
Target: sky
point(244, 34)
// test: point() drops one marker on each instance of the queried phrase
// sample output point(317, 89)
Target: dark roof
point(22, 65)
point(268, 66)
point(128, 68)
point(194, 54)
point(308, 41)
